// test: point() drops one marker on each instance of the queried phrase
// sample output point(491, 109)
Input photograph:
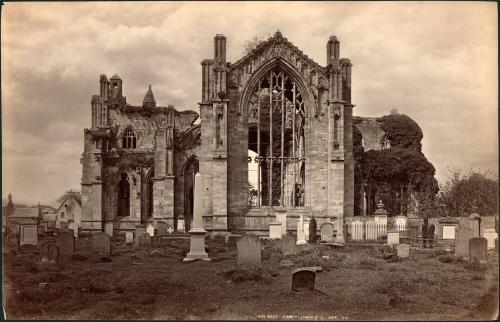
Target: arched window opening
point(123, 196)
point(336, 130)
point(276, 120)
point(129, 140)
point(191, 168)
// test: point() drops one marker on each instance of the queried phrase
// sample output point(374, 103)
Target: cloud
point(434, 61)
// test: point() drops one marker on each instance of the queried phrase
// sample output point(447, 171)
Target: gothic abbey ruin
point(274, 136)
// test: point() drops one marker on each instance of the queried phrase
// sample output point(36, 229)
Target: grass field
point(355, 284)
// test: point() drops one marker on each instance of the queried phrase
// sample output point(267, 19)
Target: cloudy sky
point(436, 62)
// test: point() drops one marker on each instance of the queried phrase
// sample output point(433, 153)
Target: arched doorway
point(276, 122)
point(191, 168)
point(123, 196)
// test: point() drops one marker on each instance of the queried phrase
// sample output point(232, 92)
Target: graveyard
point(149, 280)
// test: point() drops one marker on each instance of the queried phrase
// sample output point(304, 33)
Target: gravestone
point(403, 250)
point(281, 217)
point(181, 224)
point(307, 221)
point(249, 250)
point(357, 230)
point(301, 236)
point(28, 234)
point(462, 241)
point(448, 232)
point(490, 234)
point(274, 230)
point(101, 244)
point(393, 238)
point(150, 229)
point(139, 229)
point(371, 230)
point(65, 241)
point(327, 232)
point(129, 237)
point(287, 245)
point(430, 235)
point(401, 223)
point(144, 240)
point(108, 228)
point(303, 279)
point(162, 228)
point(478, 250)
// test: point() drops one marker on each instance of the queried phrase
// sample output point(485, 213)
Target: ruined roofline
point(277, 37)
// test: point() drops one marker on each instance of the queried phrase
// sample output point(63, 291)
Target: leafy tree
point(463, 192)
point(251, 45)
point(402, 131)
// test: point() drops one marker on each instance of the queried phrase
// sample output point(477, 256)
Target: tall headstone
point(357, 230)
point(475, 220)
point(65, 241)
point(197, 232)
point(281, 218)
point(108, 228)
point(478, 250)
point(301, 236)
point(288, 246)
point(464, 235)
point(249, 250)
point(28, 234)
point(101, 244)
point(150, 229)
point(303, 279)
point(307, 221)
point(181, 224)
point(327, 232)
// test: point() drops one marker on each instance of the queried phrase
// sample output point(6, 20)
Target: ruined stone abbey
point(272, 136)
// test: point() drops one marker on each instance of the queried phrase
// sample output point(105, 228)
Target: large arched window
point(276, 120)
point(123, 196)
point(129, 140)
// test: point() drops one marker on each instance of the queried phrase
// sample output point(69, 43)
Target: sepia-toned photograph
point(291, 161)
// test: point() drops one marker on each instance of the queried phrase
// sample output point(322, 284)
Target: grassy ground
point(355, 284)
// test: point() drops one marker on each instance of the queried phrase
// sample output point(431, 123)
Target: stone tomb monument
point(303, 278)
point(65, 241)
point(393, 238)
point(462, 241)
point(281, 217)
point(28, 234)
point(475, 220)
point(249, 250)
point(478, 250)
point(327, 230)
point(101, 244)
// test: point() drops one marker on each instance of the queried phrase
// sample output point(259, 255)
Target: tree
point(464, 191)
point(402, 131)
point(251, 45)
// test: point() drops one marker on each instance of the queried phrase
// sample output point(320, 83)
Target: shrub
point(475, 266)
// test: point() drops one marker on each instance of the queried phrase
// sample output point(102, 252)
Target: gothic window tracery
point(276, 120)
point(123, 195)
point(129, 140)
